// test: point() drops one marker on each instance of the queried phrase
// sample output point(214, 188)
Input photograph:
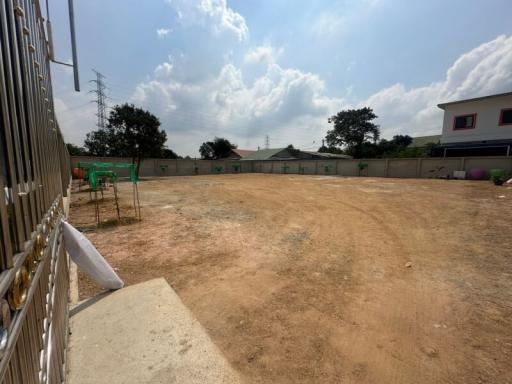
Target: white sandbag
point(88, 259)
point(509, 181)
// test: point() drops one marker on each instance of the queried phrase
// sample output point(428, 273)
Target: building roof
point(243, 152)
point(443, 105)
point(422, 141)
point(263, 154)
point(328, 155)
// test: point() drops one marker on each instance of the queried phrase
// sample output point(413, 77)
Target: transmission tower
point(101, 98)
point(267, 141)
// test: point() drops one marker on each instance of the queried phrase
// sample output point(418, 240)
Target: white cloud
point(280, 100)
point(212, 14)
point(292, 105)
point(162, 32)
point(482, 71)
point(212, 88)
point(328, 24)
point(342, 17)
point(264, 54)
point(76, 116)
point(165, 69)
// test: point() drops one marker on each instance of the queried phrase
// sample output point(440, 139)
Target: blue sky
point(245, 69)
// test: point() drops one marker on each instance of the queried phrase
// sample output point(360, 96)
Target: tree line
point(135, 133)
point(354, 133)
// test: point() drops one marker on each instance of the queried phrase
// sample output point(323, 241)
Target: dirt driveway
point(308, 279)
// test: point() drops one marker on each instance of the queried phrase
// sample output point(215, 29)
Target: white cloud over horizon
point(241, 91)
point(482, 71)
point(215, 15)
point(162, 32)
point(264, 54)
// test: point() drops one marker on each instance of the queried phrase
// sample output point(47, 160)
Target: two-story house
point(477, 127)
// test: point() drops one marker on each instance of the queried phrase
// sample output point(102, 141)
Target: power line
point(199, 118)
point(101, 98)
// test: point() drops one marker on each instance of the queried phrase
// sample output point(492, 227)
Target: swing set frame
point(98, 173)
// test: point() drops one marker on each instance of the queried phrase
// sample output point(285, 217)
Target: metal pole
point(73, 44)
point(138, 202)
point(134, 202)
point(117, 202)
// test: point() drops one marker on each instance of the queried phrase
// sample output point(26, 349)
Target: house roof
point(329, 155)
point(243, 152)
point(263, 154)
point(443, 105)
point(422, 141)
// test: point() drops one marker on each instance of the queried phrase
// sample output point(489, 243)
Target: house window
point(506, 116)
point(464, 121)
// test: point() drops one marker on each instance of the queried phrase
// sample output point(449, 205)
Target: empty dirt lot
point(306, 279)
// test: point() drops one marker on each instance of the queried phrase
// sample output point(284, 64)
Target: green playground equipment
point(327, 168)
point(97, 178)
point(98, 174)
point(95, 168)
point(285, 168)
point(237, 167)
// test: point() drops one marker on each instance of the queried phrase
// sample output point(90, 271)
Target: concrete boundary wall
point(401, 168)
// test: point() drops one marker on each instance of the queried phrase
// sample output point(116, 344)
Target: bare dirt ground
point(303, 279)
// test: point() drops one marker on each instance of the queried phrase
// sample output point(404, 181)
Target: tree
point(353, 128)
point(402, 140)
point(75, 150)
point(99, 143)
point(216, 149)
point(131, 132)
point(169, 154)
point(391, 148)
point(335, 150)
point(367, 150)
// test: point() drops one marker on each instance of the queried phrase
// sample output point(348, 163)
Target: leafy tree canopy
point(335, 150)
point(75, 150)
point(352, 128)
point(130, 132)
point(100, 143)
point(216, 149)
point(393, 147)
point(168, 154)
point(356, 135)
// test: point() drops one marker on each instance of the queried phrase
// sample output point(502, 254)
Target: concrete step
point(142, 334)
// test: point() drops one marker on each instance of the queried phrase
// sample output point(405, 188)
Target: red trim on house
point(501, 116)
point(461, 129)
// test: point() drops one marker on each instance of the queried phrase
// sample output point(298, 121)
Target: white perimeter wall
point(401, 168)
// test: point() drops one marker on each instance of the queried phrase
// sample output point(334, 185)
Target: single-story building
point(291, 154)
point(480, 126)
point(237, 154)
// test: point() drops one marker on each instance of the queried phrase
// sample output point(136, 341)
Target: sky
point(244, 69)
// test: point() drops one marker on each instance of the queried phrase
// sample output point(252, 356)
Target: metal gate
point(34, 179)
